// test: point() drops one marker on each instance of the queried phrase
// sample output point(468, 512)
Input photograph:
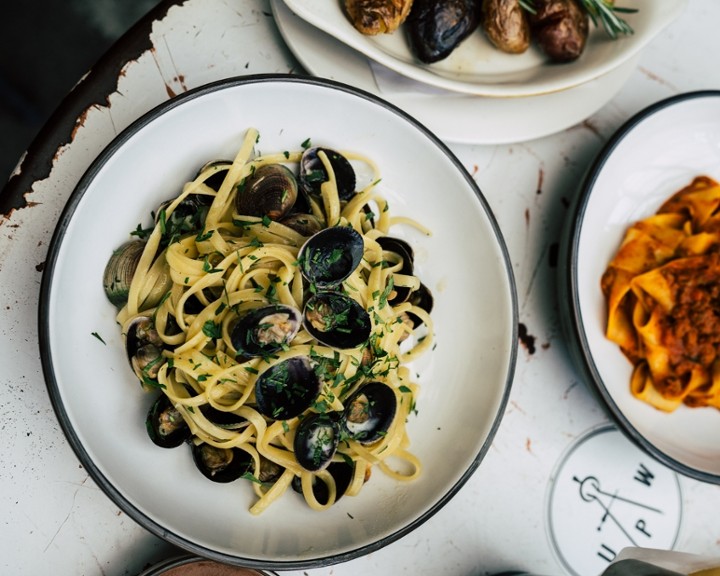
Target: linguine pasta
point(194, 288)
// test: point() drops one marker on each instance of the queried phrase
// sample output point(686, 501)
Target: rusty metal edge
point(93, 90)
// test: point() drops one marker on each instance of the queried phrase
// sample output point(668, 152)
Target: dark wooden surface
point(45, 47)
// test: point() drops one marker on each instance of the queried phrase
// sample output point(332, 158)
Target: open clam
point(423, 299)
point(188, 217)
point(221, 464)
point(224, 419)
point(144, 348)
point(316, 440)
point(369, 412)
point(119, 271)
point(336, 320)
point(341, 472)
point(220, 169)
point(287, 389)
point(404, 251)
point(420, 297)
point(313, 173)
point(328, 257)
point(165, 424)
point(271, 190)
point(302, 223)
point(265, 330)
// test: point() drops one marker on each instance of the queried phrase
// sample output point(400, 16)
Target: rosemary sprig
point(605, 12)
point(601, 12)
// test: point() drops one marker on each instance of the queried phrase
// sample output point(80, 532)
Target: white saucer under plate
point(452, 116)
point(476, 67)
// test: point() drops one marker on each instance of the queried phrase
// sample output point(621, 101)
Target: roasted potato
point(506, 25)
point(560, 28)
point(436, 27)
point(372, 17)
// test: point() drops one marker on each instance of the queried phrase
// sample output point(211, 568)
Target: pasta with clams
point(276, 315)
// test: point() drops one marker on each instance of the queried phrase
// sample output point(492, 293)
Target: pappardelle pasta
point(662, 290)
point(276, 316)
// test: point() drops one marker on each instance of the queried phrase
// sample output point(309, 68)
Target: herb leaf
point(212, 330)
point(601, 12)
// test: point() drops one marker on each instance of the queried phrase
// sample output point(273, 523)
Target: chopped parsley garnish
point(212, 330)
point(383, 297)
point(208, 267)
point(321, 406)
point(98, 337)
point(251, 477)
point(315, 176)
point(202, 235)
point(141, 232)
point(244, 224)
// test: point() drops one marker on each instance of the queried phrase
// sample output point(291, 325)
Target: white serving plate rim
point(97, 472)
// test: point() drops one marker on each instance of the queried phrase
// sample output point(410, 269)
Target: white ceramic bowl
point(653, 155)
point(465, 380)
point(476, 67)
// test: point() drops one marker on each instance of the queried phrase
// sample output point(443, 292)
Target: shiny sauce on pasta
point(662, 290)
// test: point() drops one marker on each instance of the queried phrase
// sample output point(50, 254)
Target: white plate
point(655, 154)
point(454, 117)
point(475, 67)
point(465, 380)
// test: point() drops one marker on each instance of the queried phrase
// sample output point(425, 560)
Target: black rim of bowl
point(113, 492)
point(568, 286)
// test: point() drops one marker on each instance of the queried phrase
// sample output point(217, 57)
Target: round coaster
point(605, 495)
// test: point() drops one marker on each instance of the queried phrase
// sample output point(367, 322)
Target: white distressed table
point(55, 519)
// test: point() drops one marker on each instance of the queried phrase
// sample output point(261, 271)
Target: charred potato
point(435, 28)
point(372, 17)
point(506, 25)
point(560, 28)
